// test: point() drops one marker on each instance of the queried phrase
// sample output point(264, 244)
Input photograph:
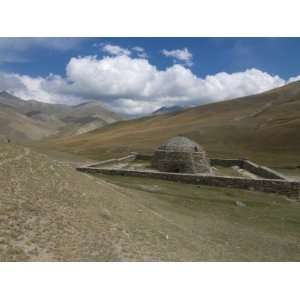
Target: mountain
point(33, 120)
point(167, 110)
point(86, 117)
point(18, 127)
point(28, 106)
point(263, 127)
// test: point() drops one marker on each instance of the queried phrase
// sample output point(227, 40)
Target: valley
point(51, 212)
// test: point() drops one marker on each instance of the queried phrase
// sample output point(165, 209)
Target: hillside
point(86, 117)
point(263, 127)
point(34, 120)
point(51, 212)
point(19, 127)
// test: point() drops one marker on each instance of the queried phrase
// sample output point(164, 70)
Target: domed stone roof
point(180, 155)
point(180, 144)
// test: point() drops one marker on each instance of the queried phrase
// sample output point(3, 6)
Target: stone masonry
point(279, 185)
point(180, 155)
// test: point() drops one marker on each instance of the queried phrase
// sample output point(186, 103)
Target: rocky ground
point(51, 212)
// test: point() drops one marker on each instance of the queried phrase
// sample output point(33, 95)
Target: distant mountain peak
point(168, 109)
point(6, 94)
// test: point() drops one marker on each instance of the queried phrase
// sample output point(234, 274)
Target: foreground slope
point(264, 127)
point(51, 212)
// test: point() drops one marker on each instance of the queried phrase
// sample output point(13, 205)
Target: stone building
point(180, 155)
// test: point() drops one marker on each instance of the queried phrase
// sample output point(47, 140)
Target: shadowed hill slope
point(19, 127)
point(32, 120)
point(263, 127)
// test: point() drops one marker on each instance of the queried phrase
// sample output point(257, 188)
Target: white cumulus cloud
point(140, 52)
point(296, 78)
point(138, 49)
point(115, 50)
point(183, 55)
point(135, 86)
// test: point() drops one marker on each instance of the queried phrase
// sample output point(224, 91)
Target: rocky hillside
point(32, 120)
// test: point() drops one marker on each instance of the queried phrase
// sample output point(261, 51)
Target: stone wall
point(248, 165)
point(289, 188)
point(273, 182)
point(261, 170)
point(130, 157)
point(180, 162)
point(227, 163)
point(144, 156)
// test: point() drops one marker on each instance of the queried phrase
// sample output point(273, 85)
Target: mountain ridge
point(46, 119)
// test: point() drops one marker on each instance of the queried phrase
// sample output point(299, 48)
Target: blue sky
point(128, 73)
point(210, 55)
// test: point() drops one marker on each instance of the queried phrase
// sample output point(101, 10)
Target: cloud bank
point(135, 86)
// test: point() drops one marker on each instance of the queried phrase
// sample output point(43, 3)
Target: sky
point(136, 76)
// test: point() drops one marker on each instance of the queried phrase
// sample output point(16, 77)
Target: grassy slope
point(49, 211)
point(263, 127)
